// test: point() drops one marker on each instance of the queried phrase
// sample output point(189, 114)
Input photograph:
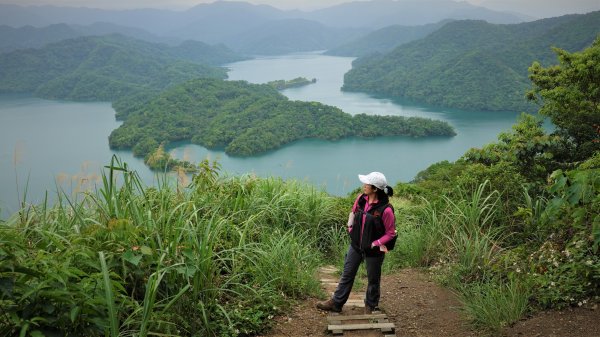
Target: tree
point(570, 95)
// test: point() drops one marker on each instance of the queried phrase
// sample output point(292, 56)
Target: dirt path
point(418, 307)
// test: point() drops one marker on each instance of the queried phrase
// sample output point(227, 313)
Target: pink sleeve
point(389, 221)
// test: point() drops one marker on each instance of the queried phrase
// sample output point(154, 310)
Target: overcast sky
point(536, 8)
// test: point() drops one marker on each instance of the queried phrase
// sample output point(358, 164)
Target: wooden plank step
point(355, 303)
point(328, 269)
point(384, 320)
point(334, 320)
point(362, 326)
point(356, 317)
point(328, 280)
point(353, 297)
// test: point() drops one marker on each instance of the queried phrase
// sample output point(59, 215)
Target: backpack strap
point(380, 209)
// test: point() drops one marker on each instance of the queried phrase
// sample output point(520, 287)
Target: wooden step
point(355, 303)
point(353, 296)
point(328, 269)
point(335, 328)
point(355, 317)
point(328, 280)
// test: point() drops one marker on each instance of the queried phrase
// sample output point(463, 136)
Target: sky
point(536, 8)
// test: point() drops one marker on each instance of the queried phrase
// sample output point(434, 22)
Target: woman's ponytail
point(389, 191)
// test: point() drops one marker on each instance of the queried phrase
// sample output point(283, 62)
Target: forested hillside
point(384, 40)
point(106, 68)
point(247, 119)
point(514, 226)
point(472, 64)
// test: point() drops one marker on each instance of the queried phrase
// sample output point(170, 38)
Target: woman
point(372, 225)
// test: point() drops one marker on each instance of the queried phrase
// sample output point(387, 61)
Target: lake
point(45, 145)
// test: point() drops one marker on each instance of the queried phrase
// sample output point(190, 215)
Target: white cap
point(376, 179)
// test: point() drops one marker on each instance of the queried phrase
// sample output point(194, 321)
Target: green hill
point(384, 40)
point(472, 65)
point(247, 119)
point(104, 68)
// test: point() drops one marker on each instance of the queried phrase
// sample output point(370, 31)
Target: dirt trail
point(420, 308)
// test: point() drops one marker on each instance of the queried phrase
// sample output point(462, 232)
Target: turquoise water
point(45, 144)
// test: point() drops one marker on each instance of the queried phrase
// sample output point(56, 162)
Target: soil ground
point(419, 307)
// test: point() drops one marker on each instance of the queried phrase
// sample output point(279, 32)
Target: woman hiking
point(371, 225)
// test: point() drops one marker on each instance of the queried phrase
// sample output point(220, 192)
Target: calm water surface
point(45, 144)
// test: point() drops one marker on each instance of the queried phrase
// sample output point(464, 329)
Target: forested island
point(472, 65)
point(248, 119)
point(294, 83)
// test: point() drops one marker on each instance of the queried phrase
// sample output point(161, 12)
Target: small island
point(295, 83)
point(244, 119)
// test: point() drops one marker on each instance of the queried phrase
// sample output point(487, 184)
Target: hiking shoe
point(329, 305)
point(369, 310)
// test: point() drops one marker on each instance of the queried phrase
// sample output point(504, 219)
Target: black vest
point(373, 229)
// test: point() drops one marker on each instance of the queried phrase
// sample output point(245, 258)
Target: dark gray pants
point(351, 263)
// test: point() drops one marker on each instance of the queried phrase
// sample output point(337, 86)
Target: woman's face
point(369, 189)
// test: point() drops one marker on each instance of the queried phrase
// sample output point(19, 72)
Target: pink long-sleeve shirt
point(388, 218)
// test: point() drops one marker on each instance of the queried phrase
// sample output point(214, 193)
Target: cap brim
point(363, 179)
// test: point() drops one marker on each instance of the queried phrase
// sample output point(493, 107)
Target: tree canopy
point(570, 95)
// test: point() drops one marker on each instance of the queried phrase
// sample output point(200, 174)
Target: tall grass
point(215, 258)
point(337, 242)
point(495, 304)
point(461, 237)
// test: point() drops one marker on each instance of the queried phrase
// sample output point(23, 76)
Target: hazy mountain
point(381, 13)
point(384, 39)
point(225, 21)
point(33, 37)
point(152, 20)
point(216, 21)
point(291, 35)
point(102, 68)
point(472, 64)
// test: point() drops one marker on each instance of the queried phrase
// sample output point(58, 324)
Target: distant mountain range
point(381, 13)
point(36, 37)
point(106, 68)
point(384, 39)
point(472, 64)
point(256, 29)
